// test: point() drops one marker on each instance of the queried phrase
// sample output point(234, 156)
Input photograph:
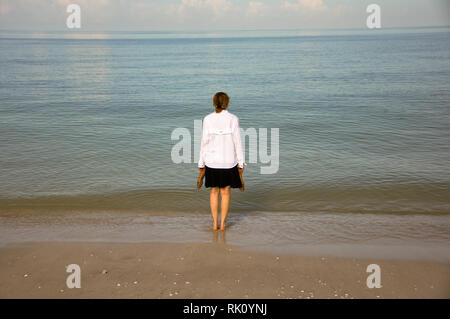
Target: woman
point(221, 156)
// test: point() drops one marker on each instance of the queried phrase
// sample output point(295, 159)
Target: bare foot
point(222, 226)
point(214, 226)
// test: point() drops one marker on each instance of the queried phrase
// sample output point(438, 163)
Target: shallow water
point(414, 237)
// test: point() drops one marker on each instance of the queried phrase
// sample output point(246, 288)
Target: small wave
point(389, 199)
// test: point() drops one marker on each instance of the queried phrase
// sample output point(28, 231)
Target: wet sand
point(205, 270)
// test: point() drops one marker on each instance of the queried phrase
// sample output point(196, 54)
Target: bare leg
point(214, 204)
point(225, 204)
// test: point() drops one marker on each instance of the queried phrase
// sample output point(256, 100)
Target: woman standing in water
point(221, 156)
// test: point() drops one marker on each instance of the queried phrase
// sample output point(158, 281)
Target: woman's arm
point(204, 141)
point(238, 144)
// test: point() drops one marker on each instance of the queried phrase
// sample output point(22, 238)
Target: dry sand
point(205, 270)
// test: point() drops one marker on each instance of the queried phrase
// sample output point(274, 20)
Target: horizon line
point(222, 30)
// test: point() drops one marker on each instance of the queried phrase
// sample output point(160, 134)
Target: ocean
point(86, 123)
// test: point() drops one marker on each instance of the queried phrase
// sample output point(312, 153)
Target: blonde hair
point(220, 101)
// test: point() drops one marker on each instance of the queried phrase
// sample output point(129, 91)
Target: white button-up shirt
point(221, 145)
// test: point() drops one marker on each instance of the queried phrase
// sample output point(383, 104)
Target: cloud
point(256, 8)
point(218, 8)
point(4, 8)
point(302, 5)
point(83, 3)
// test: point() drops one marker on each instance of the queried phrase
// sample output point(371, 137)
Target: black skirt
point(222, 177)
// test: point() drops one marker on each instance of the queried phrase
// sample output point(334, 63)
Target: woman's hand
point(200, 177)
point(240, 170)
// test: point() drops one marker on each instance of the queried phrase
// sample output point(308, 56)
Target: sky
point(147, 15)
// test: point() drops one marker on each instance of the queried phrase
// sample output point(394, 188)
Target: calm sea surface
point(363, 116)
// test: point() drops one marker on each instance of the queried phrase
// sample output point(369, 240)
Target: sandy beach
point(205, 270)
